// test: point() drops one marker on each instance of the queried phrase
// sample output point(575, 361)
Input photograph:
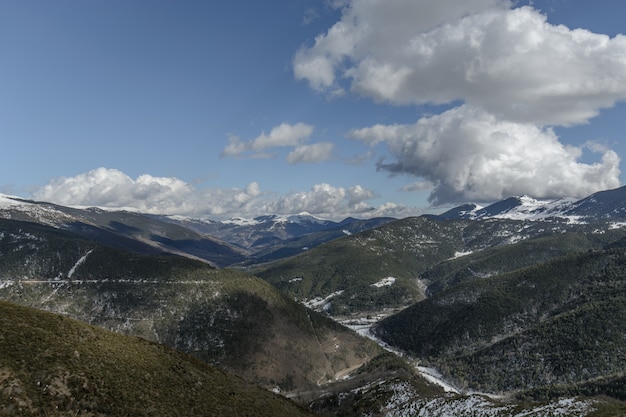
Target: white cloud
point(283, 135)
point(310, 15)
point(316, 152)
point(235, 147)
point(103, 187)
point(109, 187)
point(327, 201)
point(511, 62)
point(358, 195)
point(322, 198)
point(360, 159)
point(470, 155)
point(511, 74)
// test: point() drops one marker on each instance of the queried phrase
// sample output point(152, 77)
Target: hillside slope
point(125, 230)
point(227, 318)
point(560, 322)
point(389, 267)
point(54, 366)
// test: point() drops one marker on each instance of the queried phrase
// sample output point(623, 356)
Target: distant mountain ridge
point(271, 237)
point(603, 206)
point(220, 243)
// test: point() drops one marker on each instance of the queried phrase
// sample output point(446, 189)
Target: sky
point(363, 108)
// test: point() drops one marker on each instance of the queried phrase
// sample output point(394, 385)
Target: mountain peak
point(9, 200)
point(608, 205)
point(465, 211)
point(305, 217)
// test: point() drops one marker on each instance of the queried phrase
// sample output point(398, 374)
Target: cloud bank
point(111, 188)
point(509, 72)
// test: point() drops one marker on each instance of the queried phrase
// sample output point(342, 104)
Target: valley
point(417, 316)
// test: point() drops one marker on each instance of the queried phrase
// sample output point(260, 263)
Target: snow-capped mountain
point(300, 218)
point(271, 237)
point(603, 206)
point(221, 243)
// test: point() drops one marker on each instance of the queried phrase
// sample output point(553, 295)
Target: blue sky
point(348, 107)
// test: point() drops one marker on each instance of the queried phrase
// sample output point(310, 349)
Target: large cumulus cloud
point(508, 68)
point(470, 155)
point(104, 187)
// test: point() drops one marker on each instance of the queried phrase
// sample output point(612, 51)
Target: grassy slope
point(51, 365)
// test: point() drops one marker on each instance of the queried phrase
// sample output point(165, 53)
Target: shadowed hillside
point(227, 318)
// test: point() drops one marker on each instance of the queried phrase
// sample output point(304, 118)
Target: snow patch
point(6, 283)
point(77, 264)
point(460, 254)
point(321, 303)
point(305, 217)
point(434, 377)
point(385, 282)
point(240, 221)
point(11, 201)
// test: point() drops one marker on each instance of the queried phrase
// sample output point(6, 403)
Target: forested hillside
point(559, 322)
point(397, 264)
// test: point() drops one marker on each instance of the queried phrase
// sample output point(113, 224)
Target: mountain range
point(235, 241)
point(521, 299)
point(273, 237)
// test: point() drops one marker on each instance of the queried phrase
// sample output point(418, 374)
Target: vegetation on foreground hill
point(55, 366)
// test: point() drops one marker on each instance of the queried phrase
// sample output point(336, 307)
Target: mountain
point(227, 318)
point(556, 325)
point(607, 205)
point(236, 241)
point(532, 308)
point(272, 237)
point(123, 229)
point(390, 267)
point(52, 365)
point(603, 206)
point(55, 366)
